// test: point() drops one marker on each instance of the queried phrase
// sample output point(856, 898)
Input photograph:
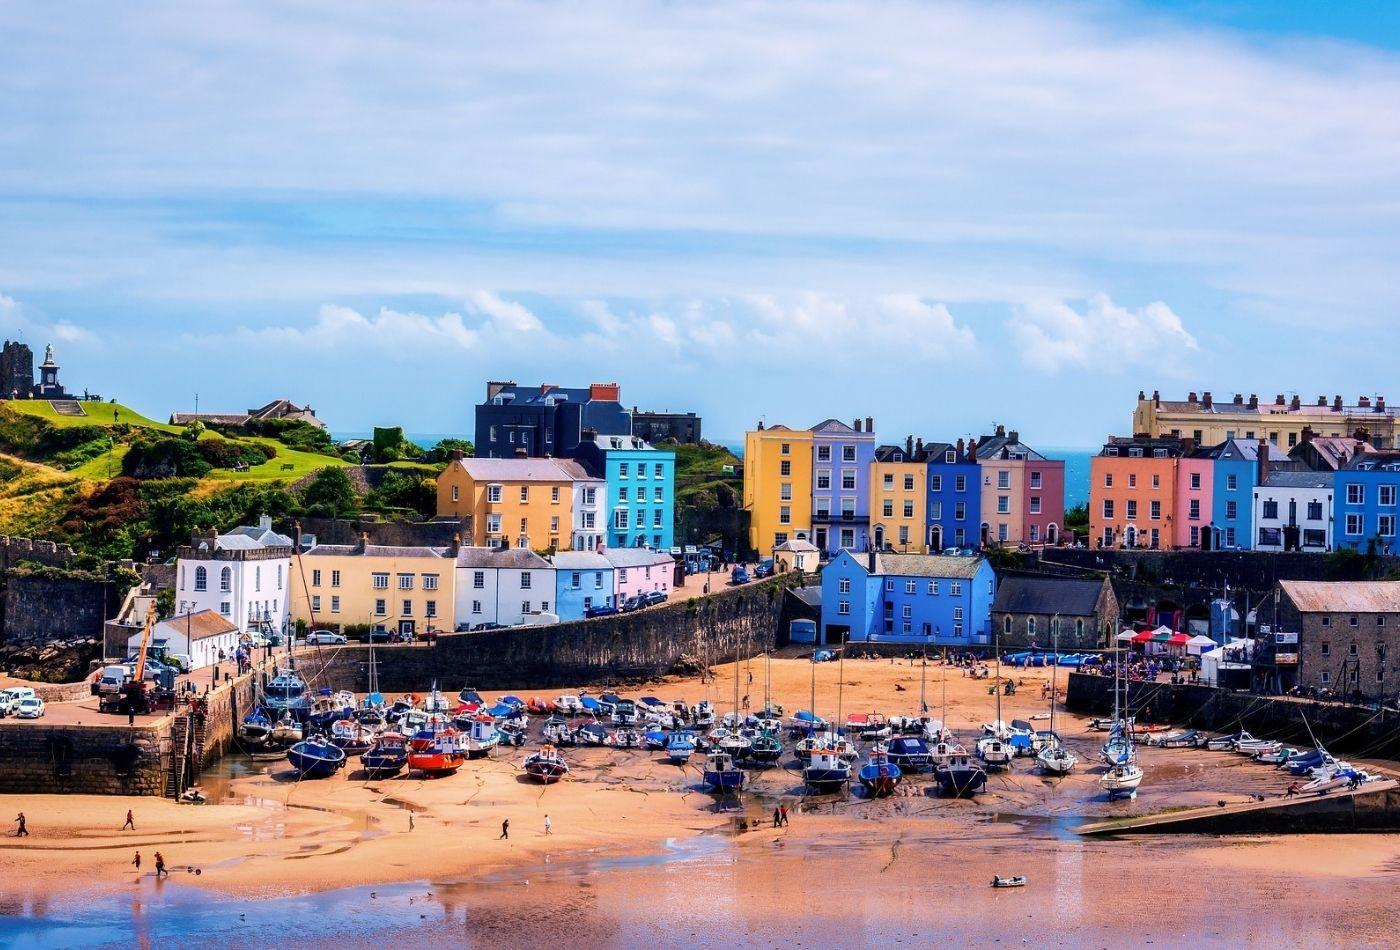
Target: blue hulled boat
point(721, 774)
point(680, 747)
point(879, 774)
point(316, 758)
point(909, 752)
point(827, 771)
point(386, 757)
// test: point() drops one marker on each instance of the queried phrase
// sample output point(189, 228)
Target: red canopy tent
point(1145, 636)
point(1178, 640)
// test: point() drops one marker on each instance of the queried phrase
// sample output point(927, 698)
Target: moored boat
point(958, 774)
point(546, 766)
point(387, 757)
point(827, 771)
point(316, 758)
point(1121, 780)
point(880, 775)
point(256, 727)
point(680, 747)
point(443, 756)
point(721, 774)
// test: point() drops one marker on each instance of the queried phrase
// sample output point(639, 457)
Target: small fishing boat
point(511, 734)
point(1257, 746)
point(702, 714)
point(1118, 748)
point(1278, 756)
point(735, 744)
point(1336, 779)
point(959, 774)
point(256, 727)
point(481, 737)
point(568, 705)
point(287, 729)
point(1121, 780)
point(316, 758)
point(286, 693)
point(351, 736)
point(765, 748)
point(654, 740)
point(557, 731)
point(879, 775)
point(1014, 881)
point(721, 774)
point(680, 747)
point(625, 739)
point(994, 752)
point(443, 756)
point(1303, 764)
point(546, 766)
point(624, 713)
point(538, 706)
point(469, 695)
point(1056, 760)
point(1227, 743)
point(827, 771)
point(387, 757)
point(875, 728)
point(909, 752)
point(804, 722)
point(592, 734)
point(1175, 740)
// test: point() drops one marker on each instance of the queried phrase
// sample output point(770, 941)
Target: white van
point(112, 680)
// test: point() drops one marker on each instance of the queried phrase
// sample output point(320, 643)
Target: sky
point(941, 215)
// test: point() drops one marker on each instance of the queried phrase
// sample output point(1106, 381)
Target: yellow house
point(404, 589)
point(898, 501)
point(778, 485)
point(519, 502)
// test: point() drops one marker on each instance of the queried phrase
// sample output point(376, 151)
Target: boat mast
point(923, 680)
point(996, 650)
point(1055, 669)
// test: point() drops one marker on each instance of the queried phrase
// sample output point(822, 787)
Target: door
point(406, 626)
point(935, 539)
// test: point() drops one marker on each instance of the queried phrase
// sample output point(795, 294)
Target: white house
point(197, 637)
point(502, 586)
point(244, 575)
point(797, 555)
point(1293, 512)
point(590, 513)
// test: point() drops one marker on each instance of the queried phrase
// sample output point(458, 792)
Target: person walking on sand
point(782, 812)
point(160, 866)
point(22, 831)
point(505, 830)
point(777, 818)
point(130, 821)
point(548, 826)
point(136, 862)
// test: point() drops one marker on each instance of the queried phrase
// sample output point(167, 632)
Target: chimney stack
point(871, 558)
point(1191, 397)
point(760, 425)
point(962, 446)
point(919, 446)
point(1239, 399)
point(1278, 400)
point(1297, 402)
point(1322, 400)
point(456, 543)
point(457, 455)
point(869, 424)
point(1336, 403)
point(908, 446)
point(856, 424)
point(1253, 401)
point(1157, 398)
point(1013, 436)
point(1380, 404)
point(1205, 399)
point(1364, 402)
point(1142, 396)
point(1306, 435)
point(1001, 431)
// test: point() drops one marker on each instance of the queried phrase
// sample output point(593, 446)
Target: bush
point(329, 494)
point(405, 490)
point(391, 445)
point(442, 452)
point(294, 434)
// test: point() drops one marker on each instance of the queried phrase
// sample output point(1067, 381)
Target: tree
point(442, 452)
point(329, 494)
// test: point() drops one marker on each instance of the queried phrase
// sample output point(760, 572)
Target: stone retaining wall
point(91, 760)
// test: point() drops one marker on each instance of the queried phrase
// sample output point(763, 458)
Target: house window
point(335, 603)
point(405, 581)
point(476, 607)
point(911, 587)
point(1194, 509)
point(1006, 626)
point(456, 493)
point(785, 515)
point(1356, 494)
point(848, 479)
point(1154, 511)
point(478, 579)
point(597, 580)
point(908, 509)
point(1195, 480)
point(1354, 524)
point(843, 586)
point(957, 613)
point(848, 538)
point(1107, 479)
point(225, 608)
point(1108, 508)
point(1003, 504)
point(493, 494)
point(1232, 482)
point(1385, 495)
point(623, 469)
point(430, 609)
point(1003, 479)
point(848, 453)
point(315, 602)
point(335, 578)
point(955, 589)
point(785, 468)
point(407, 609)
point(1030, 627)
point(524, 580)
point(824, 478)
point(1314, 511)
point(960, 514)
point(656, 518)
point(960, 483)
point(380, 581)
point(201, 579)
point(1035, 479)
point(1003, 534)
point(844, 608)
point(1035, 532)
point(1232, 510)
point(1156, 481)
point(381, 607)
point(1130, 509)
point(887, 509)
point(1132, 480)
point(908, 610)
point(554, 494)
point(889, 585)
point(908, 482)
point(933, 588)
point(785, 491)
point(1271, 509)
point(1326, 677)
point(1035, 505)
point(622, 575)
point(575, 580)
point(888, 481)
point(1230, 537)
point(1326, 622)
point(1079, 628)
point(1385, 526)
point(430, 582)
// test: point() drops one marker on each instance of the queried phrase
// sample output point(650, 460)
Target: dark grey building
point(655, 427)
point(16, 370)
point(1030, 607)
point(545, 420)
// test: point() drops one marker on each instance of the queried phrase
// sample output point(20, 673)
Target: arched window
point(201, 579)
point(226, 579)
point(1030, 627)
point(1006, 626)
point(1079, 628)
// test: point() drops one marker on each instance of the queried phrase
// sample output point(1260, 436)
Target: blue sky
point(942, 215)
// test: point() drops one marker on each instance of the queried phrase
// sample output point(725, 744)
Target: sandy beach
point(630, 832)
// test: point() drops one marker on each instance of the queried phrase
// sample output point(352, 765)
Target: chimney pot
point(1157, 398)
point(1141, 395)
point(1205, 399)
point(1253, 401)
point(1013, 436)
point(962, 446)
point(1306, 435)
point(856, 424)
point(869, 424)
point(457, 455)
point(1364, 402)
point(1239, 399)
point(908, 446)
point(919, 446)
point(1297, 402)
point(1001, 431)
point(1380, 404)
point(1336, 403)
point(760, 425)
point(1278, 400)
point(1191, 396)
point(1322, 400)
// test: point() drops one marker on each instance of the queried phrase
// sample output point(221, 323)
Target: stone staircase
point(183, 761)
point(68, 407)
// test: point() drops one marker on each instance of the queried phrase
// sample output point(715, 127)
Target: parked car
point(379, 635)
point(31, 707)
point(489, 625)
point(256, 640)
point(823, 656)
point(764, 568)
point(12, 697)
point(606, 610)
point(739, 576)
point(154, 667)
point(324, 638)
point(633, 603)
point(653, 597)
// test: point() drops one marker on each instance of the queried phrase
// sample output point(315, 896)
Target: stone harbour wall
point(90, 760)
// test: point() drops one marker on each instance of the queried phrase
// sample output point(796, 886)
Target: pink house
point(1044, 505)
point(639, 571)
point(1193, 500)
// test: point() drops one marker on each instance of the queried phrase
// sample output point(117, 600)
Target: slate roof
point(636, 557)
point(811, 596)
point(375, 550)
point(581, 561)
point(1361, 597)
point(1069, 596)
point(1336, 451)
point(926, 565)
point(1298, 480)
point(524, 470)
point(508, 558)
point(989, 448)
point(1244, 450)
point(199, 626)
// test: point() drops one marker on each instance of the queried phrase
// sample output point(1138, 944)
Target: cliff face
point(64, 661)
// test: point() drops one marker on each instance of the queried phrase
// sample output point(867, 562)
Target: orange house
point(1133, 493)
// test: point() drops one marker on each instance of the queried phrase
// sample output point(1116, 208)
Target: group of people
point(22, 831)
point(780, 816)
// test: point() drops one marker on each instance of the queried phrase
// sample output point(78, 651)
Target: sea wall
point(1354, 730)
point(40, 609)
point(91, 759)
point(626, 648)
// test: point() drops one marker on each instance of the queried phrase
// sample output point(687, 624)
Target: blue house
point(954, 497)
point(582, 580)
point(1367, 489)
point(641, 488)
point(1236, 473)
point(924, 599)
point(546, 419)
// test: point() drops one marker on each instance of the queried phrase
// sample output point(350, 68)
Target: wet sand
point(639, 854)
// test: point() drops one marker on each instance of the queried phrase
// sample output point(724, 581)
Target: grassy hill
point(115, 483)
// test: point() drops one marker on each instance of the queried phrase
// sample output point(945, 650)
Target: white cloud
point(20, 321)
point(1054, 336)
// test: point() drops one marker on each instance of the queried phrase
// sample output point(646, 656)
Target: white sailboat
point(1124, 775)
point(1054, 758)
point(994, 747)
